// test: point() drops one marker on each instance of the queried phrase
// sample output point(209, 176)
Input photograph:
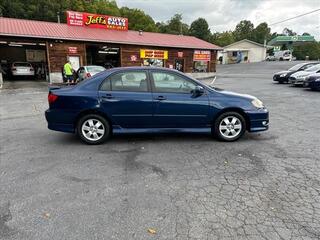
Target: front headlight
point(283, 75)
point(257, 103)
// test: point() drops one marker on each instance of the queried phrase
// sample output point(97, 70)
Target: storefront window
point(153, 62)
point(200, 66)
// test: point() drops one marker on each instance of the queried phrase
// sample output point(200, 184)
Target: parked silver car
point(88, 71)
point(22, 69)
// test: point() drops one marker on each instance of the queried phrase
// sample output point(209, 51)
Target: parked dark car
point(283, 76)
point(313, 82)
point(151, 100)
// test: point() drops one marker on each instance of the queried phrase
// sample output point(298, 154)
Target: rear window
point(22, 64)
point(95, 69)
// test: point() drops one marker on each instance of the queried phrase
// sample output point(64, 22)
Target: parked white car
point(285, 55)
point(22, 69)
point(298, 78)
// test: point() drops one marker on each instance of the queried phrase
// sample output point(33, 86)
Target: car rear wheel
point(229, 126)
point(93, 129)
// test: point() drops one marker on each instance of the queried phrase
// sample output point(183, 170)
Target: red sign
point(96, 21)
point(180, 54)
point(72, 50)
point(201, 55)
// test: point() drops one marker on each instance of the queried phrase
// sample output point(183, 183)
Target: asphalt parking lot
point(265, 186)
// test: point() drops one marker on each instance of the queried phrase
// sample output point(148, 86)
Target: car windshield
point(313, 69)
point(95, 69)
point(22, 64)
point(296, 67)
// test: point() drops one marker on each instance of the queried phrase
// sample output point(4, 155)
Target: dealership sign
point(155, 54)
point(201, 55)
point(96, 21)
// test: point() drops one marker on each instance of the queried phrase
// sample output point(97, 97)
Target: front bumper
point(258, 120)
point(277, 78)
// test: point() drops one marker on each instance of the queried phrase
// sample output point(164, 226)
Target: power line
point(301, 15)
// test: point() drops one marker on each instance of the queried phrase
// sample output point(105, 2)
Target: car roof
point(144, 68)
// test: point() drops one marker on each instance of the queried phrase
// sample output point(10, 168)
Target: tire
point(93, 129)
point(229, 126)
point(281, 59)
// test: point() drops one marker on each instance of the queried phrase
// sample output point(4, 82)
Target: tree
point(223, 39)
point(200, 29)
point(306, 34)
point(174, 26)
point(261, 33)
point(288, 32)
point(244, 30)
point(311, 49)
point(138, 20)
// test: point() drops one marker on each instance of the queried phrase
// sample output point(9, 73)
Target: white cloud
point(223, 15)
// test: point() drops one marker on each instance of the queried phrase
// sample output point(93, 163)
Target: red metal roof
point(50, 30)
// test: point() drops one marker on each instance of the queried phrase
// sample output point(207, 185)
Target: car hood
point(234, 94)
point(282, 72)
point(302, 74)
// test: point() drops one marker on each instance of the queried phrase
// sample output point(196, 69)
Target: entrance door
point(179, 65)
point(126, 98)
point(175, 106)
point(75, 62)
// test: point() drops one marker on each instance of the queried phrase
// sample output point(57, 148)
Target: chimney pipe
point(140, 32)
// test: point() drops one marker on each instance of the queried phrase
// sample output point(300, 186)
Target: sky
point(223, 15)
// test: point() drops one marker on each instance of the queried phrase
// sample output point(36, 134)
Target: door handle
point(160, 98)
point(107, 96)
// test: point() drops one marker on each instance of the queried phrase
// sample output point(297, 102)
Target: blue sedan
point(151, 100)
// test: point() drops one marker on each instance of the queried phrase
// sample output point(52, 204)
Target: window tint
point(106, 86)
point(171, 83)
point(129, 81)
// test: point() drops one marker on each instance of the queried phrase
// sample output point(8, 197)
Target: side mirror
point(198, 91)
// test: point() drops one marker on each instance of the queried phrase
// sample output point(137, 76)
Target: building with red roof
point(48, 45)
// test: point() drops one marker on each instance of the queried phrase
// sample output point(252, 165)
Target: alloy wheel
point(93, 129)
point(230, 127)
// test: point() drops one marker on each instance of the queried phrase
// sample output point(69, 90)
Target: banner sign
point(72, 50)
point(155, 54)
point(201, 55)
point(97, 21)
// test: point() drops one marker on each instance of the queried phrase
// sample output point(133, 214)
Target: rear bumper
point(258, 120)
point(59, 121)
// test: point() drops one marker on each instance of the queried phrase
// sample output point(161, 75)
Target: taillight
point(52, 98)
point(88, 75)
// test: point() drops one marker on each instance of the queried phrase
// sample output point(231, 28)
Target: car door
point(175, 105)
point(126, 97)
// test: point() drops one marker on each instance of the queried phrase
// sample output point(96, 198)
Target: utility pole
point(58, 17)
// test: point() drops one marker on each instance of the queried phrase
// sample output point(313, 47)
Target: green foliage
point(223, 39)
point(174, 26)
point(244, 30)
point(261, 33)
point(138, 20)
point(200, 29)
point(311, 49)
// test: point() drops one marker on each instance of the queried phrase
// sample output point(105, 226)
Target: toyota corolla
point(151, 100)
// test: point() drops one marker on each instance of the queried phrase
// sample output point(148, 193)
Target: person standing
point(68, 70)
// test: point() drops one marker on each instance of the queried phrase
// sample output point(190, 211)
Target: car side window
point(133, 81)
point(171, 83)
point(106, 86)
point(126, 81)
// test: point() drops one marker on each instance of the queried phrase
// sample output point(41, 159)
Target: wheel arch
point(234, 109)
point(91, 111)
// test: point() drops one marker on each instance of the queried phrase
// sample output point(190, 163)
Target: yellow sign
point(156, 54)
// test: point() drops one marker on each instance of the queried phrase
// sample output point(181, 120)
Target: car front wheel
point(93, 129)
point(229, 126)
